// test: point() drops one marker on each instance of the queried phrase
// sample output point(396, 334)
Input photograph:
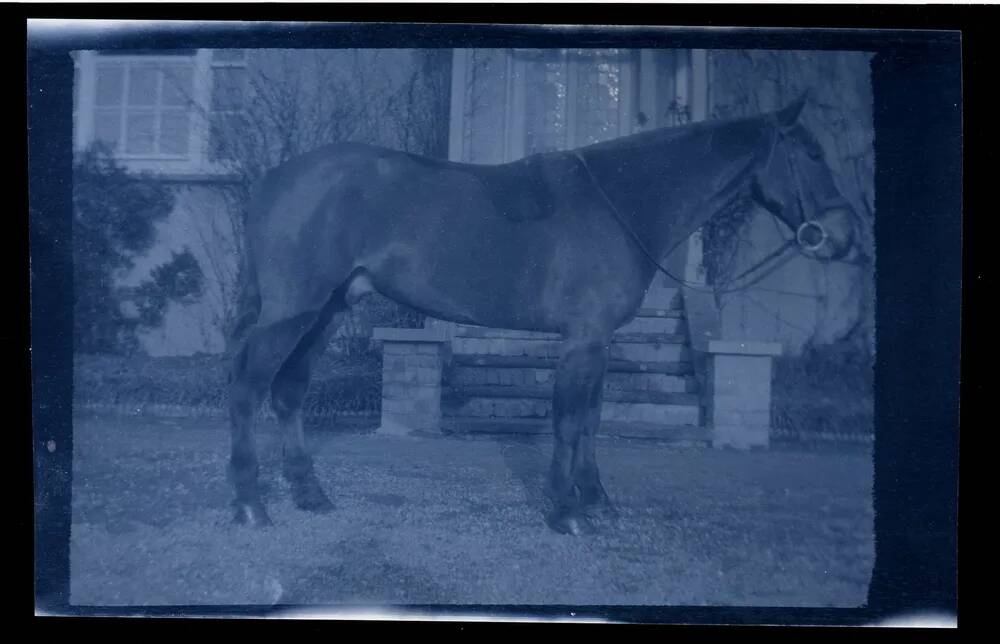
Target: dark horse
point(559, 242)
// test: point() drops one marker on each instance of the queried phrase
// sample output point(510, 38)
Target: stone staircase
point(499, 380)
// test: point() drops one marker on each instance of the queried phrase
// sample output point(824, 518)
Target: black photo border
point(919, 106)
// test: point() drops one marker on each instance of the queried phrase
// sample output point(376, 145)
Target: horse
point(564, 242)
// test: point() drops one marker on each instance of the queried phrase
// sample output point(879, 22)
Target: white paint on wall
point(199, 223)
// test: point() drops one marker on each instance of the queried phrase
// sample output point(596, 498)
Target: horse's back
point(474, 243)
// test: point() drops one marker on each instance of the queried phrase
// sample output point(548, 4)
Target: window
point(226, 115)
point(575, 97)
point(143, 108)
point(518, 102)
point(161, 111)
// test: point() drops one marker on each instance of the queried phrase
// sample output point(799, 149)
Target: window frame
point(210, 111)
point(196, 163)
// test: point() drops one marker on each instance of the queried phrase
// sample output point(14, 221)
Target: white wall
point(199, 222)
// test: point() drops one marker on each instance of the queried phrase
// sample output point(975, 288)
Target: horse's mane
point(520, 189)
point(676, 133)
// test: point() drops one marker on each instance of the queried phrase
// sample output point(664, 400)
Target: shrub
point(828, 390)
point(114, 220)
point(198, 383)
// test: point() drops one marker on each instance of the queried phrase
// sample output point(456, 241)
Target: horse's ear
point(789, 115)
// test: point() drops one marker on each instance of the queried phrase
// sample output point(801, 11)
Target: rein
point(693, 285)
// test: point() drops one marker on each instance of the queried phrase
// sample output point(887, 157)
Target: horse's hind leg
point(287, 393)
point(577, 392)
point(254, 367)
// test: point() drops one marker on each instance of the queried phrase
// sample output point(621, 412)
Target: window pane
point(140, 132)
point(174, 132)
point(545, 105)
point(142, 82)
point(229, 83)
point(110, 84)
point(107, 127)
point(177, 85)
point(222, 135)
point(597, 115)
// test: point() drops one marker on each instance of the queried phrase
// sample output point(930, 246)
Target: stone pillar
point(411, 379)
point(739, 392)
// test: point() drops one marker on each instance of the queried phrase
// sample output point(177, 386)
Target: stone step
point(649, 338)
point(646, 320)
point(469, 331)
point(660, 296)
point(464, 376)
point(543, 392)
point(645, 352)
point(653, 325)
point(538, 408)
point(678, 433)
point(630, 336)
point(671, 367)
point(675, 312)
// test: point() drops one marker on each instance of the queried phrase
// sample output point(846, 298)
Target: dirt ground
point(460, 521)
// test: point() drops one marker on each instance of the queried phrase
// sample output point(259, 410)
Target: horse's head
point(796, 185)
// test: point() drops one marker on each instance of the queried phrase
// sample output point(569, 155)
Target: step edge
point(515, 392)
point(686, 367)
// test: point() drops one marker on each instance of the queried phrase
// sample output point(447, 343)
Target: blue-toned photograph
point(472, 326)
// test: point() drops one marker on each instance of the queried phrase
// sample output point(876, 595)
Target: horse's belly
point(466, 292)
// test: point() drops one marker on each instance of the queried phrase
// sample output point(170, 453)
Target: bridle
point(798, 231)
point(804, 224)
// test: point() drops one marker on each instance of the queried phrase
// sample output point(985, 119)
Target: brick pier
point(738, 392)
point(411, 379)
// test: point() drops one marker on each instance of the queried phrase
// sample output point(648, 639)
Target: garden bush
point(115, 214)
point(197, 385)
point(827, 391)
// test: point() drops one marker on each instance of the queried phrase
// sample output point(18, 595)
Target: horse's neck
point(670, 184)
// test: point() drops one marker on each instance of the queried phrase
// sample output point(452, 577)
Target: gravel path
point(460, 521)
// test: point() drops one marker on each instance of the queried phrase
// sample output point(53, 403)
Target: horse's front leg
point(594, 500)
point(576, 396)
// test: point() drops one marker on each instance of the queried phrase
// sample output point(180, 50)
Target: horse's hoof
point(251, 514)
point(312, 499)
point(569, 523)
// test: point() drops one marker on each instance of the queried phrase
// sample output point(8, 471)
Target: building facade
point(204, 120)
point(190, 117)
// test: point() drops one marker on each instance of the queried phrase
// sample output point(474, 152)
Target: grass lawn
point(460, 521)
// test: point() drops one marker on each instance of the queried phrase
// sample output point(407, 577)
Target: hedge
point(197, 385)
